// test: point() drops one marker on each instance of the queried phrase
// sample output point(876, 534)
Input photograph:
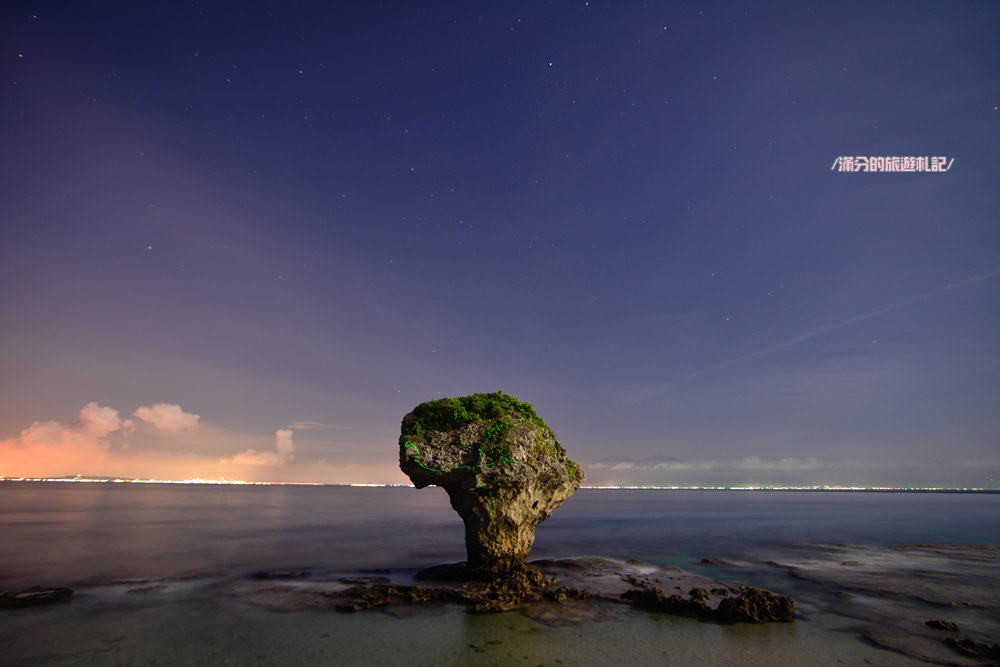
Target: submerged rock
point(755, 605)
point(974, 648)
point(503, 469)
point(34, 596)
point(726, 603)
point(941, 624)
point(588, 590)
point(919, 572)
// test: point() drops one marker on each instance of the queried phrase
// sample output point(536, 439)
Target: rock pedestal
point(502, 468)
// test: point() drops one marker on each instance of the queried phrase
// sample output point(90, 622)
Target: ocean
point(169, 575)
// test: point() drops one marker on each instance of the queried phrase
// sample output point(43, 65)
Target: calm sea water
point(154, 568)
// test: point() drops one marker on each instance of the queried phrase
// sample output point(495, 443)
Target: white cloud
point(167, 416)
point(284, 452)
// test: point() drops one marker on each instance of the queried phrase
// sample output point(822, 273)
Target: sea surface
point(161, 575)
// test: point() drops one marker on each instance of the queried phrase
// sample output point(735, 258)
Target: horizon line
point(100, 479)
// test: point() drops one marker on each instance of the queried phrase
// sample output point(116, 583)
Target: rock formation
point(502, 467)
point(505, 472)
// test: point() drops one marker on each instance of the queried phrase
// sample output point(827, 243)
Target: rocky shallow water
point(902, 605)
point(256, 576)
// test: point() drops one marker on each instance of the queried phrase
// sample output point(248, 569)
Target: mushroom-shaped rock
point(502, 467)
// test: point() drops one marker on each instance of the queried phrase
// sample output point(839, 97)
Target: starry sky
point(244, 239)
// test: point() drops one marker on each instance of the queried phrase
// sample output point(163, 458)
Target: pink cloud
point(97, 421)
point(54, 449)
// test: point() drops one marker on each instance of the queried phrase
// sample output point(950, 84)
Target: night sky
point(242, 240)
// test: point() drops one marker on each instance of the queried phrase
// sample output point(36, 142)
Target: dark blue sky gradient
point(315, 217)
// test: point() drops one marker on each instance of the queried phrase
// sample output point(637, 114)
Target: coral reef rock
point(502, 467)
point(567, 591)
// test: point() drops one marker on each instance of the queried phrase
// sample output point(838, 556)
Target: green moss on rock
point(446, 414)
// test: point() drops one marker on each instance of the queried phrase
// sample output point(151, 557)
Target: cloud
point(750, 470)
point(95, 444)
point(670, 463)
point(53, 449)
point(165, 442)
point(283, 443)
point(673, 465)
point(284, 452)
point(787, 463)
point(167, 416)
point(793, 471)
point(97, 421)
point(306, 425)
point(614, 463)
